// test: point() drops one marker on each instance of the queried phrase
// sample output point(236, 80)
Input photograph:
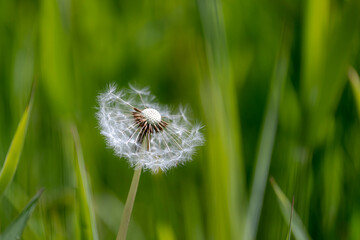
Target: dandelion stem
point(124, 225)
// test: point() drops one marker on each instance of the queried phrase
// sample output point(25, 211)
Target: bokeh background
point(268, 80)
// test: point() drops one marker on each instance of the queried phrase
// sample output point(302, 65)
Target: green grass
point(298, 228)
point(13, 155)
point(270, 82)
point(16, 228)
point(87, 222)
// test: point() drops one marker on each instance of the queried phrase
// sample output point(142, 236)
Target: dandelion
point(147, 134)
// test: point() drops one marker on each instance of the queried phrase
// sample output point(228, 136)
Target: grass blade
point(297, 227)
point(224, 165)
point(16, 228)
point(266, 144)
point(18, 198)
point(291, 215)
point(355, 86)
point(87, 216)
point(13, 155)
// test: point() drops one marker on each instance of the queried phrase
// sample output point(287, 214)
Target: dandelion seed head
point(147, 134)
point(151, 115)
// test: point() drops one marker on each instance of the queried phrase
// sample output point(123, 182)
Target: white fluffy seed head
point(151, 115)
point(171, 146)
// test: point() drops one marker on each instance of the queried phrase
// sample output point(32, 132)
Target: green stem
point(124, 225)
point(291, 215)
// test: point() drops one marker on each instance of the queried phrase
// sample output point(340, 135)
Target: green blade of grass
point(355, 86)
point(225, 165)
point(314, 36)
point(266, 143)
point(291, 215)
point(16, 228)
point(297, 227)
point(13, 155)
point(88, 228)
point(18, 198)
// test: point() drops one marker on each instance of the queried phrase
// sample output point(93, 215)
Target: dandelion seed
point(147, 134)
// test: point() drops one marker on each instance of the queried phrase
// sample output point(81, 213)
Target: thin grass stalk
point(291, 214)
point(124, 225)
point(267, 139)
point(297, 226)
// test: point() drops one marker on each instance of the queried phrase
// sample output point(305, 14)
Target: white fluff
point(168, 148)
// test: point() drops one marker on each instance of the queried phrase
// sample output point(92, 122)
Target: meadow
point(274, 83)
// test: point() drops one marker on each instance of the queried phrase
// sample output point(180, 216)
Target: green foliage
point(267, 79)
point(16, 228)
point(297, 227)
point(224, 167)
point(86, 213)
point(355, 86)
point(13, 156)
point(267, 140)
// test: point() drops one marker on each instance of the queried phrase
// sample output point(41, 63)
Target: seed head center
point(151, 115)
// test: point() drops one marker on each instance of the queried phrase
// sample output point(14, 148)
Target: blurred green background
point(268, 79)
